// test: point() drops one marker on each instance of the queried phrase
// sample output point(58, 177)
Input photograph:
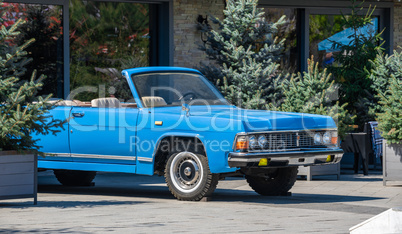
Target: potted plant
point(22, 114)
point(390, 124)
point(387, 81)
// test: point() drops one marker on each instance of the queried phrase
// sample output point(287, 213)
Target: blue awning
point(345, 37)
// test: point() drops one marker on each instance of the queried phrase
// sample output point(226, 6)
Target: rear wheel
point(188, 177)
point(274, 183)
point(75, 178)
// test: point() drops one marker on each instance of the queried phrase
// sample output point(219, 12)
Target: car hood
point(260, 120)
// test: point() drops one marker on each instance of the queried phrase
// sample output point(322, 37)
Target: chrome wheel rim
point(186, 172)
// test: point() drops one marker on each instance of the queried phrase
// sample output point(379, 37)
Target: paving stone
point(122, 203)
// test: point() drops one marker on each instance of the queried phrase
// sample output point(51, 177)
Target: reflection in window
point(106, 37)
point(326, 34)
point(44, 23)
point(103, 95)
point(288, 32)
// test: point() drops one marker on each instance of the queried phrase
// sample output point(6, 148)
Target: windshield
point(174, 89)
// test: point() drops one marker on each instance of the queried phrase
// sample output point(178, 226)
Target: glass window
point(173, 89)
point(106, 37)
point(325, 30)
point(288, 31)
point(44, 23)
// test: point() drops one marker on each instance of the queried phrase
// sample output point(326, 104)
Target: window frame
point(163, 29)
point(384, 11)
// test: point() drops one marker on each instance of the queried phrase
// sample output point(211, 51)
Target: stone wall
point(397, 25)
point(186, 36)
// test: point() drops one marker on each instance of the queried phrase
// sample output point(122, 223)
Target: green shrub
point(315, 92)
point(390, 119)
point(22, 113)
point(383, 66)
point(386, 77)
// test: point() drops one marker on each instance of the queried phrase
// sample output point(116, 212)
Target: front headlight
point(317, 139)
point(326, 138)
point(252, 141)
point(262, 141)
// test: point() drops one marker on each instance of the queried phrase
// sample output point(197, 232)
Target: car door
point(56, 147)
point(103, 129)
point(103, 135)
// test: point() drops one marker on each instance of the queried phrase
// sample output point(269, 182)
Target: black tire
point(75, 178)
point(188, 176)
point(277, 183)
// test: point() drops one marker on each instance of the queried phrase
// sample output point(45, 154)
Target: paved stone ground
point(123, 203)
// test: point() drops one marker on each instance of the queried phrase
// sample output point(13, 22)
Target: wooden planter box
point(18, 175)
point(310, 171)
point(392, 162)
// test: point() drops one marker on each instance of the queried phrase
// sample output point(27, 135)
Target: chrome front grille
point(306, 139)
point(278, 141)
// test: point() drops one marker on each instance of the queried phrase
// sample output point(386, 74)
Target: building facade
point(80, 43)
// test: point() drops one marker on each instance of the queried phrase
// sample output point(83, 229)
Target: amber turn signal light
point(241, 145)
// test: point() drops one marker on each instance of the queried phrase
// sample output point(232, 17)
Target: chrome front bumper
point(302, 157)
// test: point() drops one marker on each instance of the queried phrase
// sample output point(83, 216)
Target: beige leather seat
point(66, 103)
point(106, 102)
point(153, 101)
point(59, 102)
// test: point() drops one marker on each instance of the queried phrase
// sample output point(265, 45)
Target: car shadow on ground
point(296, 200)
point(151, 187)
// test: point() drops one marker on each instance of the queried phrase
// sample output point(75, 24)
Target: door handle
point(78, 114)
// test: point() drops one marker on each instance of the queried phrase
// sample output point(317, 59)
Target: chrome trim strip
point(111, 157)
point(57, 154)
point(115, 157)
point(291, 161)
point(145, 159)
point(274, 151)
point(303, 151)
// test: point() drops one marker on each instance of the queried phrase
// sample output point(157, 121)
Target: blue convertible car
point(171, 121)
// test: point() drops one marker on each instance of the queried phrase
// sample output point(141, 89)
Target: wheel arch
point(167, 145)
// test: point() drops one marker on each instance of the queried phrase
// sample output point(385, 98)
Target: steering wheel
point(191, 95)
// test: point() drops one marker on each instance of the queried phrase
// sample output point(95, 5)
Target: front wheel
point(274, 183)
point(188, 177)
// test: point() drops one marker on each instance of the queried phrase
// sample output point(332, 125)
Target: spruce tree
point(386, 76)
point(383, 66)
point(243, 54)
point(22, 114)
point(315, 92)
point(353, 60)
point(390, 119)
